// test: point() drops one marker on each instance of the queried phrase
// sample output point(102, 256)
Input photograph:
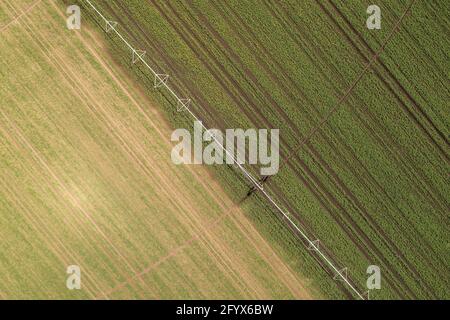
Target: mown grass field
point(86, 179)
point(364, 140)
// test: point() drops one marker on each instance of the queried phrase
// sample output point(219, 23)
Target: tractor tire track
point(402, 89)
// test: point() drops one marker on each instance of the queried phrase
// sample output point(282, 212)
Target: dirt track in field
point(192, 40)
point(248, 105)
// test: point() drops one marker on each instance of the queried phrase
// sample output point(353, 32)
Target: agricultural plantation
point(87, 179)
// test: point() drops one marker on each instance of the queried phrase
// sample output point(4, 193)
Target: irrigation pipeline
point(257, 184)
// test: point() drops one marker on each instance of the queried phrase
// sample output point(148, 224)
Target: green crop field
point(364, 149)
point(363, 118)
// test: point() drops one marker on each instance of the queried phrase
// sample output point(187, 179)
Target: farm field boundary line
point(110, 27)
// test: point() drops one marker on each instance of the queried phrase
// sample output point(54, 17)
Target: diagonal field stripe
point(16, 18)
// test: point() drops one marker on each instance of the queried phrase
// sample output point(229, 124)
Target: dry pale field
point(86, 179)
